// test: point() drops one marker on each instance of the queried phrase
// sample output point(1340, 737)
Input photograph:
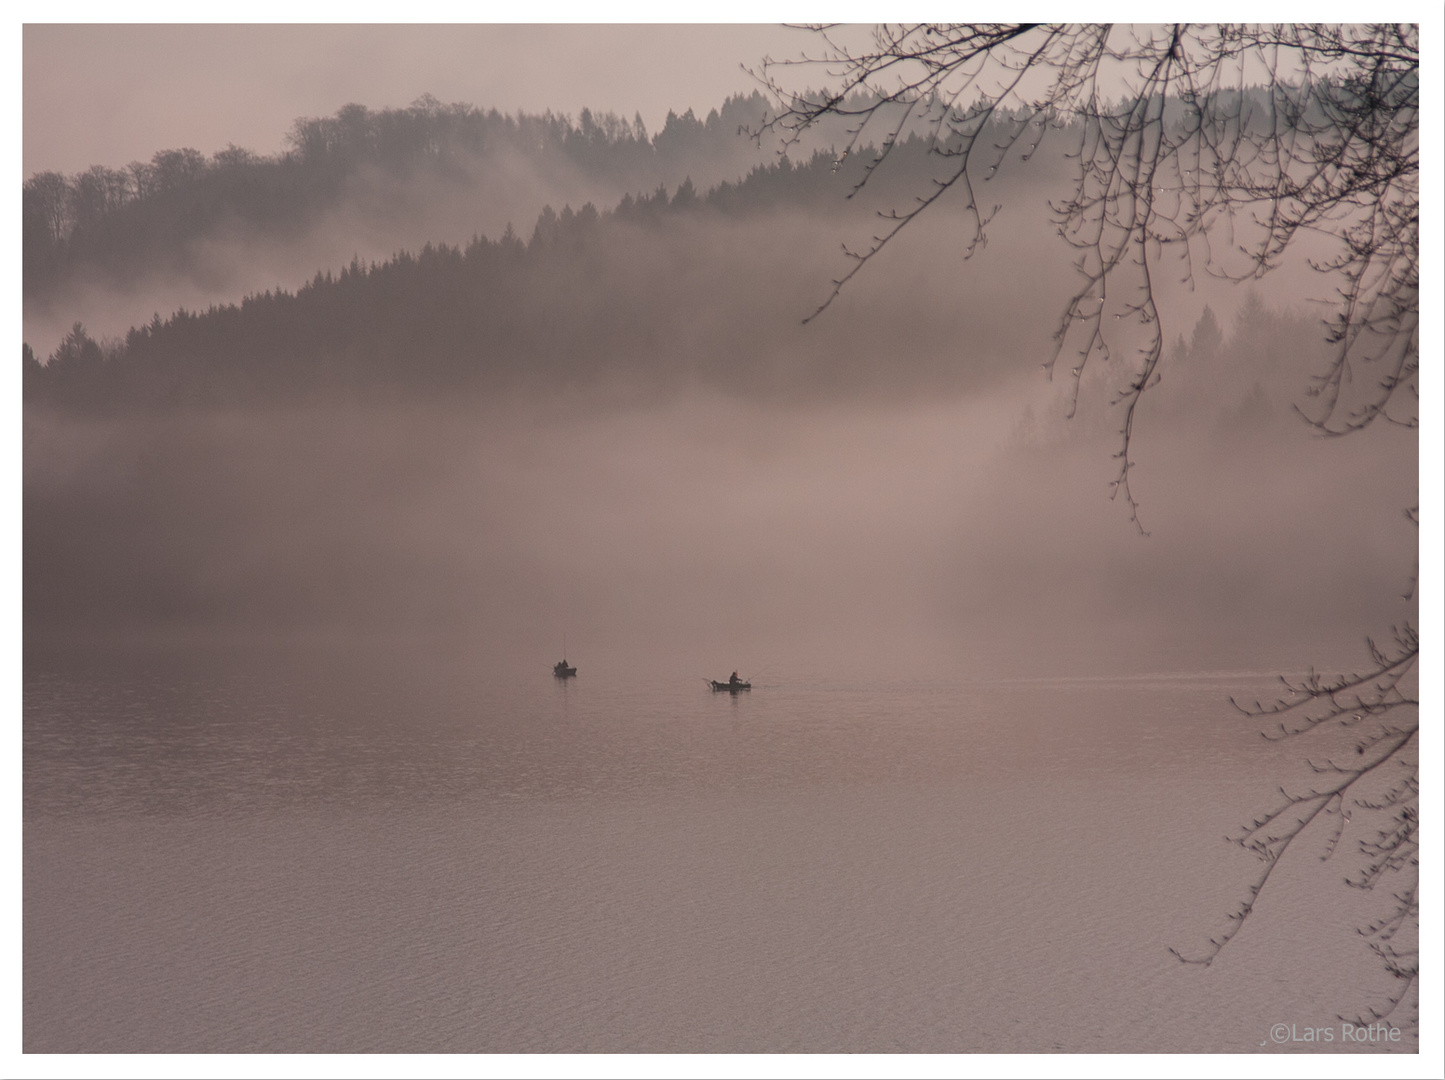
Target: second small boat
point(734, 684)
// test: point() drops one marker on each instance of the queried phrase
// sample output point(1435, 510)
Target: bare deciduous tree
point(1378, 784)
point(1195, 148)
point(1211, 150)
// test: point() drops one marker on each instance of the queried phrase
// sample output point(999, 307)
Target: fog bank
point(710, 529)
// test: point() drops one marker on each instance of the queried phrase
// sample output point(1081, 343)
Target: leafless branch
point(1218, 146)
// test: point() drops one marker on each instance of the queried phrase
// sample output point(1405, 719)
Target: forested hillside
point(200, 462)
point(696, 280)
point(583, 293)
point(110, 222)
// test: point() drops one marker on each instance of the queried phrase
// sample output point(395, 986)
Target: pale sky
point(111, 94)
point(96, 94)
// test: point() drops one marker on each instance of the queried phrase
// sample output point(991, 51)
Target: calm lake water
point(348, 853)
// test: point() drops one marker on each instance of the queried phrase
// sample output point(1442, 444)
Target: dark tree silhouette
point(442, 319)
point(1378, 783)
point(1194, 149)
point(107, 223)
point(1213, 149)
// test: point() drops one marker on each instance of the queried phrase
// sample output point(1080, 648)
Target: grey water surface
point(350, 852)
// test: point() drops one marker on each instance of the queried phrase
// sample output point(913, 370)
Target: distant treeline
point(107, 221)
point(493, 312)
point(114, 224)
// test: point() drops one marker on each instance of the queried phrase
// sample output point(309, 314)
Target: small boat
point(730, 685)
point(562, 670)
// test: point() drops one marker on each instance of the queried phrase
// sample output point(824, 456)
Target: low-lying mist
point(707, 530)
point(366, 186)
point(212, 254)
point(376, 216)
point(664, 468)
point(651, 304)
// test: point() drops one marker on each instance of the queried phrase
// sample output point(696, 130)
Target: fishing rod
point(762, 671)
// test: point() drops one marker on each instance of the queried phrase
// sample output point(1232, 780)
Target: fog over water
point(896, 474)
point(297, 776)
point(839, 529)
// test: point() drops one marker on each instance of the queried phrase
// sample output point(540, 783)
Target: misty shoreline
point(621, 417)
